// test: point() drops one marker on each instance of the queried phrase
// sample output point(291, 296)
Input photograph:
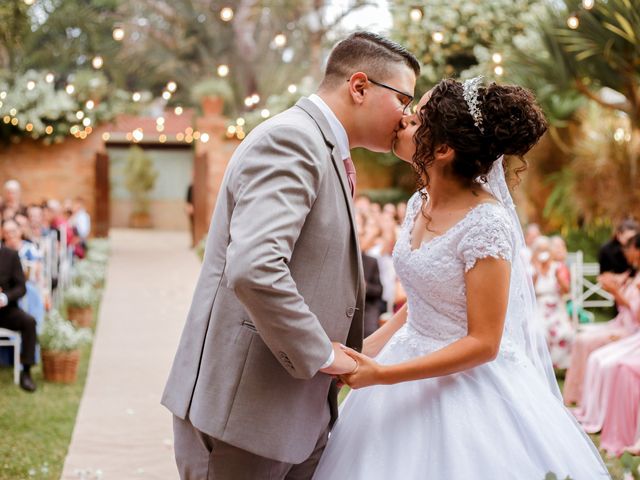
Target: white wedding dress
point(500, 420)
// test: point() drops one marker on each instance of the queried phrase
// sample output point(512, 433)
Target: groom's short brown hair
point(366, 52)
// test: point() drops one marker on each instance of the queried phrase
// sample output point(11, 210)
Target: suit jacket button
point(350, 311)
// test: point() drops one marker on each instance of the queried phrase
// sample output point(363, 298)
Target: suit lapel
point(338, 163)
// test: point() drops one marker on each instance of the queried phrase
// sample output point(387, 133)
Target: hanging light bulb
point(204, 138)
point(280, 40)
point(438, 37)
point(97, 62)
point(292, 88)
point(264, 113)
point(136, 96)
point(49, 77)
point(226, 14)
point(79, 114)
point(415, 14)
point(223, 70)
point(573, 22)
point(70, 89)
point(31, 85)
point(118, 34)
point(172, 86)
point(166, 95)
point(178, 110)
point(90, 104)
point(255, 98)
point(497, 58)
point(588, 4)
point(499, 70)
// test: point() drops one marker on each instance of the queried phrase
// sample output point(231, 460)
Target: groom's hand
point(342, 362)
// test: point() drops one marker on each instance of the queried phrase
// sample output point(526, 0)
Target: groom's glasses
point(406, 104)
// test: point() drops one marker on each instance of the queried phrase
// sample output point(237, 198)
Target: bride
point(460, 382)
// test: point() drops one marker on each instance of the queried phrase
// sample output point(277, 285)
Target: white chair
point(9, 338)
point(586, 292)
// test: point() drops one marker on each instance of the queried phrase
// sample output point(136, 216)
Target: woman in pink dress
point(621, 416)
point(591, 337)
point(599, 384)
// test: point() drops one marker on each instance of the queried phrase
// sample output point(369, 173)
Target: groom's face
point(385, 108)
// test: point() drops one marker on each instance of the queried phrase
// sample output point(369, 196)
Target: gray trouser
point(202, 457)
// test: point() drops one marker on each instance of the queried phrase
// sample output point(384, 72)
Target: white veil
point(525, 321)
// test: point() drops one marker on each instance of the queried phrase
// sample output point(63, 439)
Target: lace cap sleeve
point(489, 235)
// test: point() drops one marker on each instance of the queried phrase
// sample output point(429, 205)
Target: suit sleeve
point(276, 189)
point(18, 287)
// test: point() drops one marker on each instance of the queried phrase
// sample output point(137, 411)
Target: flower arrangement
point(89, 272)
point(79, 296)
point(59, 335)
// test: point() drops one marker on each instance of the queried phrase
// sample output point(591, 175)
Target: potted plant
point(60, 343)
point(139, 179)
point(79, 301)
point(88, 272)
point(212, 94)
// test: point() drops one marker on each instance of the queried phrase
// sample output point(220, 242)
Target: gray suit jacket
point(281, 279)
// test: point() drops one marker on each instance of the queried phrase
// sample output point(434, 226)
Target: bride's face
point(404, 146)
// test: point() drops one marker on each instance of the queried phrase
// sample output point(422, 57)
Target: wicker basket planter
point(60, 367)
point(81, 317)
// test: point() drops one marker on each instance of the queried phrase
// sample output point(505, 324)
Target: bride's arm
point(487, 286)
point(378, 339)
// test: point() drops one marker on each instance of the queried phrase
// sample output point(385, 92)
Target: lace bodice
point(433, 274)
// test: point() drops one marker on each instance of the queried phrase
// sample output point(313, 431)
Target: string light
point(573, 22)
point(48, 130)
point(137, 134)
point(29, 127)
point(79, 114)
point(31, 85)
point(292, 88)
point(280, 40)
point(49, 77)
point(438, 37)
point(106, 136)
point(179, 136)
point(497, 58)
point(204, 138)
point(240, 121)
point(171, 86)
point(160, 120)
point(415, 14)
point(70, 89)
point(499, 70)
point(86, 122)
point(74, 129)
point(13, 112)
point(29, 2)
point(255, 98)
point(588, 4)
point(6, 119)
point(90, 105)
point(97, 62)
point(162, 138)
point(178, 110)
point(265, 113)
point(248, 102)
point(136, 96)
point(14, 121)
point(226, 14)
point(118, 34)
point(3, 95)
point(223, 70)
point(231, 130)
point(166, 95)
point(196, 135)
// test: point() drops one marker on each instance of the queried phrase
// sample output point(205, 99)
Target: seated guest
point(626, 291)
point(599, 382)
point(559, 255)
point(622, 414)
point(80, 221)
point(611, 257)
point(11, 202)
point(373, 306)
point(12, 288)
point(550, 286)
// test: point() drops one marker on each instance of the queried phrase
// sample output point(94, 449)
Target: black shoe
point(26, 382)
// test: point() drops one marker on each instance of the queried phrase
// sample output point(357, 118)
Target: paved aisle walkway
point(121, 429)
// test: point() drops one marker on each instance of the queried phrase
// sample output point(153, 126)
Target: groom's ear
point(358, 86)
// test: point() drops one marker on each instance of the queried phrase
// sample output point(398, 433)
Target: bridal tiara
point(470, 94)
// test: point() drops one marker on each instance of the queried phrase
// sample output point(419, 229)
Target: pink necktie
point(351, 175)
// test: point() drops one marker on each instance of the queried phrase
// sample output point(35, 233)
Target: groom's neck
point(342, 111)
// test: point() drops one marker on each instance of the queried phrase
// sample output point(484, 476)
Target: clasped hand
point(368, 372)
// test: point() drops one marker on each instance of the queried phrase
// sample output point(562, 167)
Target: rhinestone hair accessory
point(470, 94)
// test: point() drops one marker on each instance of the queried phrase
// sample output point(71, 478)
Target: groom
point(281, 285)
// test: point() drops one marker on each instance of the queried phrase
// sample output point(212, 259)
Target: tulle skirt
point(496, 421)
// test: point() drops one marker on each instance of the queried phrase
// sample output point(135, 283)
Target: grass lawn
point(36, 427)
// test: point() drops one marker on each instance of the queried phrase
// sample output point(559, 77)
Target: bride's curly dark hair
point(512, 122)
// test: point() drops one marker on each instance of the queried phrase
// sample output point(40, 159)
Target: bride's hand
point(367, 373)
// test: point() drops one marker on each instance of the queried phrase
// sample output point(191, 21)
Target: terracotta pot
point(80, 317)
point(60, 367)
point(140, 220)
